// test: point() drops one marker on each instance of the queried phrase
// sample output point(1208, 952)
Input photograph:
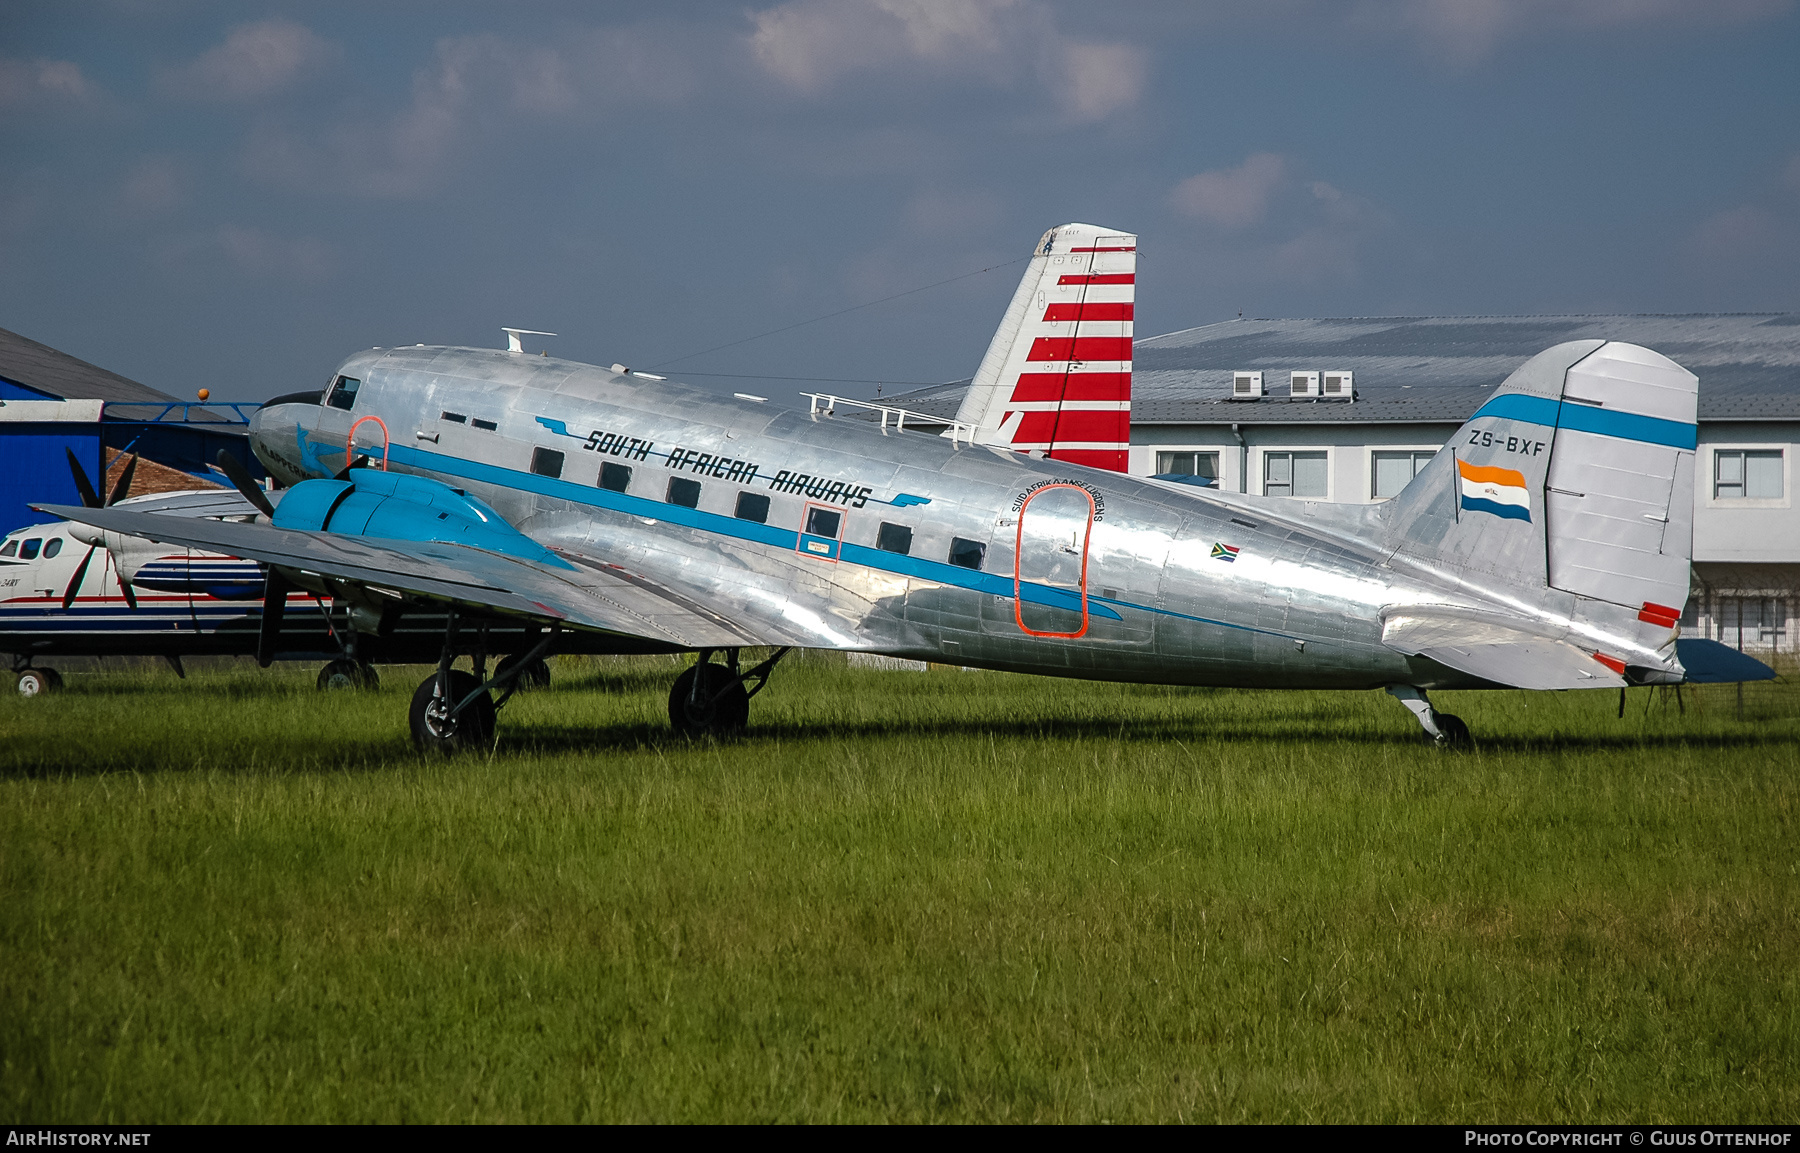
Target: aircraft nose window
point(54, 547)
point(967, 553)
point(12, 548)
point(343, 392)
point(30, 551)
point(823, 522)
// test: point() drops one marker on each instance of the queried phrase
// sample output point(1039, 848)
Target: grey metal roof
point(38, 366)
point(1433, 369)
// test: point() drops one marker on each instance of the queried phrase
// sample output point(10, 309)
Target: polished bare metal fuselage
point(1299, 604)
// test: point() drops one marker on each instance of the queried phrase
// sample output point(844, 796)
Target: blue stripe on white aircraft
point(644, 512)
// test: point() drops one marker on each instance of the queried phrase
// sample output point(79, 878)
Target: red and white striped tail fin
point(1056, 381)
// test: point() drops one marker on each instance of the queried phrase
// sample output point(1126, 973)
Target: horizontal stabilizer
point(1711, 663)
point(1497, 650)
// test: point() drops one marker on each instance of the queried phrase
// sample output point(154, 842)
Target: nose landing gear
point(1445, 730)
point(35, 682)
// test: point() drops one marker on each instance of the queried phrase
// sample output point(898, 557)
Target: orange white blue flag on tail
point(1500, 491)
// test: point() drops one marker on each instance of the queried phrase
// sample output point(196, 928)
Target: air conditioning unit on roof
point(1246, 385)
point(1339, 384)
point(1304, 384)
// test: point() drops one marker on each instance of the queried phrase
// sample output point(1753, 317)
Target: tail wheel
point(434, 730)
point(1452, 733)
point(535, 676)
point(348, 675)
point(719, 707)
point(36, 682)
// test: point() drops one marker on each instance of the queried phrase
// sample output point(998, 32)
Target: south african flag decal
point(1224, 552)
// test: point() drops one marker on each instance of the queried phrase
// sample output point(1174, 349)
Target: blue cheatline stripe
point(1587, 418)
point(1509, 511)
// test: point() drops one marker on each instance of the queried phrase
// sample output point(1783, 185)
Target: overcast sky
point(236, 196)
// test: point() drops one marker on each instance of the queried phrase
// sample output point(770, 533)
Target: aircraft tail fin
point(1056, 380)
point(1576, 475)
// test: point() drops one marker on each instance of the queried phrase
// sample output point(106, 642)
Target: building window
point(343, 392)
point(685, 492)
point(615, 477)
point(1303, 474)
point(546, 462)
point(967, 553)
point(1200, 468)
point(1742, 474)
point(894, 538)
point(752, 506)
point(1753, 622)
point(1392, 471)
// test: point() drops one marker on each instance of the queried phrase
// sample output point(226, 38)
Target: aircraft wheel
point(716, 713)
point(1452, 733)
point(36, 682)
point(434, 731)
point(345, 674)
point(536, 675)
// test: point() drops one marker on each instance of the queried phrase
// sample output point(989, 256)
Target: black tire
point(719, 709)
point(37, 682)
point(433, 732)
point(1452, 733)
point(341, 675)
point(536, 675)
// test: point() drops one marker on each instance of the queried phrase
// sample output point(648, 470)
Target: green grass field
point(904, 896)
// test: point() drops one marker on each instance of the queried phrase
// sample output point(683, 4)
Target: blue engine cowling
point(395, 506)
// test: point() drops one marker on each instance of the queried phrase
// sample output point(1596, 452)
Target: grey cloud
point(154, 184)
point(28, 84)
point(1465, 31)
point(1232, 197)
point(254, 61)
point(1277, 226)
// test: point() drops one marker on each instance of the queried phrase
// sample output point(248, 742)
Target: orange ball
point(204, 394)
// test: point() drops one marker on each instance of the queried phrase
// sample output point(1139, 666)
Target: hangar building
point(1348, 409)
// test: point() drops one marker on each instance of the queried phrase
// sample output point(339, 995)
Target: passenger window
point(894, 538)
point(343, 392)
point(823, 522)
point(546, 462)
point(454, 417)
point(615, 477)
point(53, 547)
point(30, 551)
point(753, 506)
point(11, 549)
point(486, 425)
point(967, 553)
point(684, 492)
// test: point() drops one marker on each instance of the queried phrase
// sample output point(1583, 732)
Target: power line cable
point(839, 312)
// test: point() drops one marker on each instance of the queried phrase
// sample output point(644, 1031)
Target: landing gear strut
point(453, 710)
point(350, 671)
point(710, 700)
point(1445, 730)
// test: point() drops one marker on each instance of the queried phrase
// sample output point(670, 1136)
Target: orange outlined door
point(1050, 562)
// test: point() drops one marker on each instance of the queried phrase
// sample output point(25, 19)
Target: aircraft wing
point(1494, 649)
point(588, 597)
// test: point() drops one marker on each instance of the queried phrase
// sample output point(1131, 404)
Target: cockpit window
point(11, 549)
point(30, 551)
point(343, 392)
point(54, 547)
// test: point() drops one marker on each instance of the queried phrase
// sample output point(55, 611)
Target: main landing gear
point(453, 710)
point(36, 682)
point(710, 700)
point(1445, 730)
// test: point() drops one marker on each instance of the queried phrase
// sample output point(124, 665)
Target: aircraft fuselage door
point(1050, 563)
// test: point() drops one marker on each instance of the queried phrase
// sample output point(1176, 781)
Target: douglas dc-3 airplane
point(1546, 548)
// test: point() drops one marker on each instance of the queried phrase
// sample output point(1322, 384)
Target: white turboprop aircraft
point(1547, 547)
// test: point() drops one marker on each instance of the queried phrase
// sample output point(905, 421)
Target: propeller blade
point(124, 585)
point(75, 581)
point(240, 478)
point(123, 485)
point(268, 636)
point(88, 497)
